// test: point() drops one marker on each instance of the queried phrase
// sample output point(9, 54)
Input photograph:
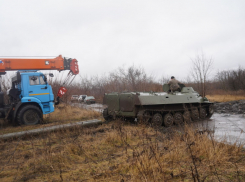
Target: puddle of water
point(228, 127)
point(96, 107)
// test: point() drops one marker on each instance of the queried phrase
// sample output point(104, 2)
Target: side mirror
point(51, 74)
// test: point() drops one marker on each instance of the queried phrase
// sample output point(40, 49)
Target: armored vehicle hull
point(160, 108)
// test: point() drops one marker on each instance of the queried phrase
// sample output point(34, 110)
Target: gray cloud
point(161, 36)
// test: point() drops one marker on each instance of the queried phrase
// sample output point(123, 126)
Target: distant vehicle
point(89, 100)
point(81, 98)
point(74, 98)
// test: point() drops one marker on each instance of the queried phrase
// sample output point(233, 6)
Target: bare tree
point(164, 79)
point(132, 79)
point(200, 71)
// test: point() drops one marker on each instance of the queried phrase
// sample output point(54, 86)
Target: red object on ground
point(61, 91)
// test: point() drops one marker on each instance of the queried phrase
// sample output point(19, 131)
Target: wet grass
point(122, 152)
point(63, 114)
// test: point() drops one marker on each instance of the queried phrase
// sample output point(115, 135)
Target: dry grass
point(62, 114)
point(69, 113)
point(225, 98)
point(118, 152)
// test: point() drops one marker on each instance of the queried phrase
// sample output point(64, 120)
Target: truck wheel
point(178, 118)
point(157, 120)
point(168, 120)
point(29, 115)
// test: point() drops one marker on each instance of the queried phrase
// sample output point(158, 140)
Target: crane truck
point(30, 95)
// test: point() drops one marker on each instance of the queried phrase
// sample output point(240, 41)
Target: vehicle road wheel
point(130, 119)
point(143, 117)
point(146, 117)
point(29, 115)
point(203, 113)
point(106, 116)
point(157, 120)
point(187, 117)
point(210, 111)
point(168, 120)
point(194, 114)
point(178, 118)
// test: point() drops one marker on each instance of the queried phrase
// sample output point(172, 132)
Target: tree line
point(231, 80)
point(134, 78)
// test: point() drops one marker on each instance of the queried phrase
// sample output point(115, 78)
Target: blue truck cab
point(31, 97)
point(35, 89)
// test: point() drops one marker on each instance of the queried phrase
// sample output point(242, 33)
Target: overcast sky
point(161, 36)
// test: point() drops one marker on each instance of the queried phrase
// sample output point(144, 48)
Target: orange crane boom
point(59, 63)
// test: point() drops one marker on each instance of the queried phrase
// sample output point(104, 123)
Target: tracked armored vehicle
point(161, 108)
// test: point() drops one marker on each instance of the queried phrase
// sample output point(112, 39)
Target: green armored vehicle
point(161, 108)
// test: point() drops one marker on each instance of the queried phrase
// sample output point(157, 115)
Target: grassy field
point(122, 152)
point(225, 98)
point(62, 114)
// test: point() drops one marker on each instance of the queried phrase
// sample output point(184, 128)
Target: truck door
point(38, 88)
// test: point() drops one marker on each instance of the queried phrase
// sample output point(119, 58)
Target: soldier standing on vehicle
point(173, 83)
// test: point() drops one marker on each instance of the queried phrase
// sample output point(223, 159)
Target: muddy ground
point(232, 107)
